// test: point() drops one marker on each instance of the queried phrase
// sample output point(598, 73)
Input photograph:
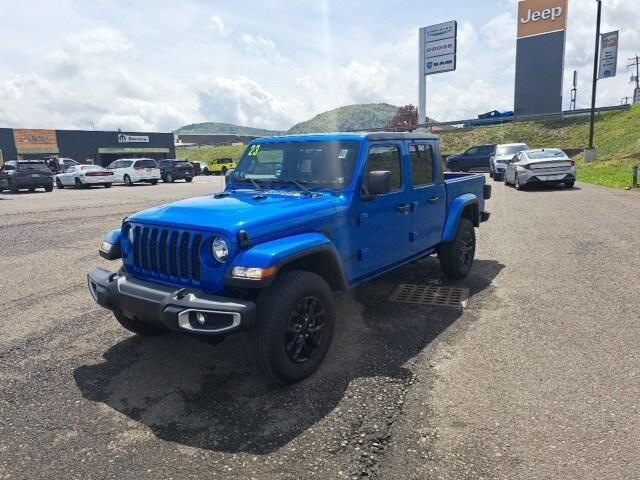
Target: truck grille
point(168, 253)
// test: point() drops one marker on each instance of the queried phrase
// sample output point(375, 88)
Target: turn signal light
point(253, 273)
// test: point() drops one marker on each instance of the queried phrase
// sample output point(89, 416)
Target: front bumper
point(172, 308)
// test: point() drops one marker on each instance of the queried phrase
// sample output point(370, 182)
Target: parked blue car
point(475, 158)
point(302, 218)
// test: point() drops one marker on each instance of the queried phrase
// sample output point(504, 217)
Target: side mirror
point(378, 183)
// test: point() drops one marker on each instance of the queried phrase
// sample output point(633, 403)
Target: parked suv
point(302, 219)
point(172, 170)
point(221, 165)
point(504, 153)
point(16, 175)
point(475, 158)
point(133, 170)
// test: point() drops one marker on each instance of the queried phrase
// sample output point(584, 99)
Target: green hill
point(350, 117)
point(225, 128)
point(617, 140)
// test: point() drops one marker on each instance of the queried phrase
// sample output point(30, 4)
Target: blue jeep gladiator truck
point(302, 219)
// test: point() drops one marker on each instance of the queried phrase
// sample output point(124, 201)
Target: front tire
point(138, 327)
point(153, 182)
point(59, 184)
point(296, 319)
point(49, 188)
point(188, 179)
point(13, 188)
point(518, 185)
point(569, 184)
point(168, 178)
point(107, 185)
point(456, 257)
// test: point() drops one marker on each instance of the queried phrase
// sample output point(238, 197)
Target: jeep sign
point(537, 17)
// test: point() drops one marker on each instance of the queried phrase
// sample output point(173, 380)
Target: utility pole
point(624, 101)
point(595, 78)
point(635, 63)
point(574, 90)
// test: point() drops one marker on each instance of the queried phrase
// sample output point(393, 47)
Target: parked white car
point(503, 153)
point(536, 167)
point(134, 170)
point(80, 176)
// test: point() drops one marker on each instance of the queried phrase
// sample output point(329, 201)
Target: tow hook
point(181, 294)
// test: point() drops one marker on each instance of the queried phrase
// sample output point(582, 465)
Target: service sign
point(123, 138)
point(538, 17)
point(608, 54)
point(441, 31)
point(440, 47)
point(444, 63)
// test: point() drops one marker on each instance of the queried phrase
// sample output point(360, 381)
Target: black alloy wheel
point(467, 249)
point(304, 330)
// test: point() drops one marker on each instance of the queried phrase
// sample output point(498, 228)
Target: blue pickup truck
point(302, 219)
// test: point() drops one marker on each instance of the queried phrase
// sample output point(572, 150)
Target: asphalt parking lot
point(538, 378)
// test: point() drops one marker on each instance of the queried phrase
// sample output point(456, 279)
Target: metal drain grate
point(430, 295)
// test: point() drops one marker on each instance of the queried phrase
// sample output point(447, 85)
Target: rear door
point(385, 222)
point(428, 205)
point(482, 159)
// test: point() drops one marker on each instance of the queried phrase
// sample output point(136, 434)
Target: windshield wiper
point(297, 183)
point(253, 182)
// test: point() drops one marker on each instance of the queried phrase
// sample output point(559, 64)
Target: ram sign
point(540, 56)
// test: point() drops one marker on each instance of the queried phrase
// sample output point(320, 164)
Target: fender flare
point(455, 213)
point(111, 246)
point(283, 251)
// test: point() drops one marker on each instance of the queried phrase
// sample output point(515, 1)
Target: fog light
point(201, 318)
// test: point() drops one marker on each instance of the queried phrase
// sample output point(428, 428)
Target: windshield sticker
point(253, 151)
point(343, 154)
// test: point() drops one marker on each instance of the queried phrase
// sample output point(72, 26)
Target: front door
point(385, 222)
point(428, 202)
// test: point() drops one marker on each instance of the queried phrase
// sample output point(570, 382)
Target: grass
point(617, 140)
point(210, 154)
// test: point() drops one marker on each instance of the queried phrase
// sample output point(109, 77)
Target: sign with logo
point(446, 63)
point(608, 54)
point(35, 141)
point(537, 17)
point(123, 138)
point(636, 96)
point(441, 31)
point(440, 47)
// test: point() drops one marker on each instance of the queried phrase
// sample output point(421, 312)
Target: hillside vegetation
point(350, 117)
point(225, 128)
point(209, 154)
point(617, 139)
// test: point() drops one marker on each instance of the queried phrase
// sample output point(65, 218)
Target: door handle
point(404, 208)
point(433, 199)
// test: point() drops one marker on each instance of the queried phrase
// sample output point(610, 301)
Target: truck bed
point(461, 183)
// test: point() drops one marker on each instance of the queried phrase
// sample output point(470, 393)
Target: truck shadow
point(191, 393)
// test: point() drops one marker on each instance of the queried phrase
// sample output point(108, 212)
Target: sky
point(155, 65)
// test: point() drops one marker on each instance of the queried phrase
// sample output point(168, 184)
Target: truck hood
point(258, 213)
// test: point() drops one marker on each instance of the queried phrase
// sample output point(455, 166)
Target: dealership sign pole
point(590, 154)
point(437, 52)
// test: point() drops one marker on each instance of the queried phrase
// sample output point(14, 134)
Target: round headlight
point(219, 249)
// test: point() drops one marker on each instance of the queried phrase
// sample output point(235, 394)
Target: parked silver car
point(535, 167)
point(503, 153)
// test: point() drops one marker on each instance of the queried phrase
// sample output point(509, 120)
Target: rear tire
point(296, 319)
point(153, 182)
point(168, 178)
point(223, 172)
point(456, 257)
point(518, 185)
point(188, 179)
point(454, 167)
point(127, 180)
point(138, 327)
point(48, 188)
point(78, 183)
point(13, 188)
point(107, 185)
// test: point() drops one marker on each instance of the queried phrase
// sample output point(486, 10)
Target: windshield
point(35, 166)
point(315, 164)
point(510, 150)
point(146, 164)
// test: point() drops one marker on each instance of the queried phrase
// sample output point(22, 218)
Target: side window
point(421, 165)
point(473, 151)
point(386, 158)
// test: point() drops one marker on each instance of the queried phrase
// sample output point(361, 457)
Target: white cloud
point(262, 48)
point(218, 26)
point(363, 83)
point(99, 41)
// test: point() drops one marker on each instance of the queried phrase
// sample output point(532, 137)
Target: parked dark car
point(197, 168)
point(172, 170)
point(475, 158)
point(25, 174)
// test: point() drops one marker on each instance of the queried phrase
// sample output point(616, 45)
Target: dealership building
point(85, 146)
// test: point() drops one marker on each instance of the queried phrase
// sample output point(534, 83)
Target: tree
point(407, 116)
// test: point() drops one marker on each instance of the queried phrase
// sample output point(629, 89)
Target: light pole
point(595, 75)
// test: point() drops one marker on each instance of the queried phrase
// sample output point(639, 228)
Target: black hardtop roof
point(401, 136)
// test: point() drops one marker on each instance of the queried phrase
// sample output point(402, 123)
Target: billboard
point(541, 36)
point(32, 141)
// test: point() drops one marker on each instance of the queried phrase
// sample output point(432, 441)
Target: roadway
point(538, 378)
